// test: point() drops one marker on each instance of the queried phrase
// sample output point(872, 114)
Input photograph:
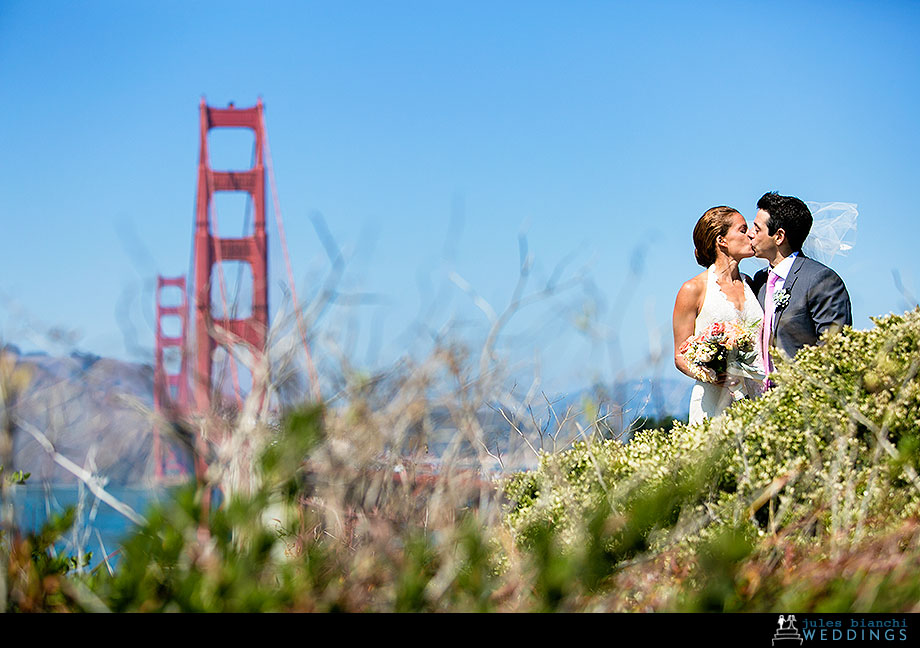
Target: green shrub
point(828, 454)
point(804, 499)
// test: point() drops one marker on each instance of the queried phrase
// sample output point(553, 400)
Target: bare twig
point(515, 428)
point(91, 481)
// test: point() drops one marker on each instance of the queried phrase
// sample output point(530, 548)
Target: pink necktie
point(769, 310)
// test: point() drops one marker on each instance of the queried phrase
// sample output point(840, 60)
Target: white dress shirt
point(782, 271)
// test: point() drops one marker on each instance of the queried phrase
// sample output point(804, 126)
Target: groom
point(801, 298)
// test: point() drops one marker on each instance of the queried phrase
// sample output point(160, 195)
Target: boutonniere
point(780, 298)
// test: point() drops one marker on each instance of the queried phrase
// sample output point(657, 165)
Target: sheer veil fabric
point(833, 230)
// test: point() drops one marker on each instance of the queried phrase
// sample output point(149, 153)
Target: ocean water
point(97, 528)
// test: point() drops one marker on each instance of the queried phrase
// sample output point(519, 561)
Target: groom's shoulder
point(821, 275)
point(818, 268)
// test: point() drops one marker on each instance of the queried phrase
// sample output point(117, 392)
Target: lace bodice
point(717, 307)
point(707, 399)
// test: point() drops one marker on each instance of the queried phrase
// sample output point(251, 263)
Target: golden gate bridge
point(186, 388)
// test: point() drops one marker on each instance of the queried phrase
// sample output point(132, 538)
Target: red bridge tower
point(211, 250)
point(170, 390)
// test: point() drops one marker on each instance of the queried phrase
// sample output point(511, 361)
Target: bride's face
point(736, 243)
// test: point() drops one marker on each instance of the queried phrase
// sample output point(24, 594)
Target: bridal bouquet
point(724, 348)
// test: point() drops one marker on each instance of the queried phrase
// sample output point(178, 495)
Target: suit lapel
point(787, 287)
point(762, 286)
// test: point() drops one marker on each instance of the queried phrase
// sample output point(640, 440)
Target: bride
point(719, 294)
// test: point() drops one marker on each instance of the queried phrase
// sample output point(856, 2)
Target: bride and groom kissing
point(728, 327)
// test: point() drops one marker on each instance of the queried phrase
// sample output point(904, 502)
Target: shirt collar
point(783, 267)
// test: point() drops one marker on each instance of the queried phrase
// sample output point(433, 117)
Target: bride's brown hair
point(711, 225)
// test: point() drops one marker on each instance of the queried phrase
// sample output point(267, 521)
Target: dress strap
point(711, 279)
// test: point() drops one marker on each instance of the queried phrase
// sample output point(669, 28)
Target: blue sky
point(429, 135)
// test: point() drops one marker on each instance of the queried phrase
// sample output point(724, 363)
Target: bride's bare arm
point(686, 308)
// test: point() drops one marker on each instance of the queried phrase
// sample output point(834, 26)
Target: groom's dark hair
point(788, 213)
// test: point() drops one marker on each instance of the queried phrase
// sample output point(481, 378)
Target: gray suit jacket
point(818, 300)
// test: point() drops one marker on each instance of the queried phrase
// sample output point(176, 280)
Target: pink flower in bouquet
point(734, 332)
point(724, 347)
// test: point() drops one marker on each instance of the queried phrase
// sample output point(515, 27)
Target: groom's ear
point(780, 236)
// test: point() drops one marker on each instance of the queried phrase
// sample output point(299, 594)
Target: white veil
point(833, 231)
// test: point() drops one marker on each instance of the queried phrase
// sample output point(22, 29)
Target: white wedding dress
point(707, 399)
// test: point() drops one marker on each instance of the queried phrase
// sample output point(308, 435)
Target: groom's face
point(763, 244)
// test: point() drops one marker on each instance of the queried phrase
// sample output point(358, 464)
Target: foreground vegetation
point(805, 499)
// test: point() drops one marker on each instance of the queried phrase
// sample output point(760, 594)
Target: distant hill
point(653, 398)
point(81, 403)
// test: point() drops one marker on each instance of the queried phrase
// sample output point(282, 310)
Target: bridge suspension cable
point(276, 208)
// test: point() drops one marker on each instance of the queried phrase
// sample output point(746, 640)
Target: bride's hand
point(709, 375)
point(725, 380)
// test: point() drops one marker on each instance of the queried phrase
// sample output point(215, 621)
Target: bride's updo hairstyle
point(711, 225)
